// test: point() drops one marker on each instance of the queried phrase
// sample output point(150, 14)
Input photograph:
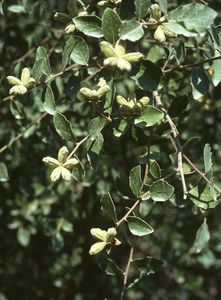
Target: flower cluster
point(117, 56)
point(131, 107)
point(159, 23)
point(97, 94)
point(21, 86)
point(106, 237)
point(62, 165)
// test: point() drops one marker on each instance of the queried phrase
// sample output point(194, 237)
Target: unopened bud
point(96, 248)
point(111, 233)
point(70, 29)
point(155, 12)
point(120, 48)
point(144, 101)
point(102, 91)
point(159, 34)
point(133, 57)
point(63, 154)
point(107, 49)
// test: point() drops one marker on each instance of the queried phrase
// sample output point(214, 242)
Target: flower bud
point(121, 100)
point(159, 34)
point(107, 49)
point(61, 17)
point(133, 57)
point(82, 13)
point(144, 101)
point(155, 12)
point(63, 154)
point(120, 48)
point(13, 80)
point(102, 91)
point(111, 233)
point(123, 65)
point(96, 248)
point(70, 29)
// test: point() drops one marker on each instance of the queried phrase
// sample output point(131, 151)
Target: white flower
point(20, 86)
point(62, 165)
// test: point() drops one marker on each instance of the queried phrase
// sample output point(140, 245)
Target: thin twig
point(189, 66)
point(21, 134)
point(77, 146)
point(128, 213)
point(130, 258)
point(177, 142)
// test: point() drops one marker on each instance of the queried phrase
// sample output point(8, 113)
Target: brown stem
point(77, 146)
point(128, 213)
point(130, 258)
point(189, 66)
point(177, 142)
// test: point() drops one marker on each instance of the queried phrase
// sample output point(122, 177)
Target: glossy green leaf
point(138, 227)
point(111, 24)
point(63, 127)
point(121, 128)
point(80, 50)
point(95, 127)
point(131, 30)
point(161, 191)
point(195, 16)
point(202, 238)
point(38, 68)
point(149, 117)
point(89, 25)
point(207, 154)
point(48, 101)
point(201, 196)
point(155, 170)
point(199, 82)
point(142, 7)
point(108, 265)
point(3, 173)
point(41, 53)
point(147, 265)
point(135, 180)
point(108, 207)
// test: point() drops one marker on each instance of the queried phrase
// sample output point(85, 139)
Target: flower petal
point(18, 90)
point(96, 248)
point(56, 174)
point(63, 154)
point(71, 163)
point(133, 56)
point(50, 161)
point(13, 80)
point(107, 49)
point(99, 234)
point(123, 65)
point(66, 174)
point(25, 76)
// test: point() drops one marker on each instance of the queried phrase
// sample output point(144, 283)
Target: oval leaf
point(161, 191)
point(89, 25)
point(135, 181)
point(131, 31)
point(149, 117)
point(138, 227)
point(3, 173)
point(108, 207)
point(111, 24)
point(48, 99)
point(80, 52)
point(63, 127)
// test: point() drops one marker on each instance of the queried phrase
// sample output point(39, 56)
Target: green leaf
point(138, 227)
point(202, 238)
point(17, 109)
point(121, 128)
point(179, 29)
point(37, 70)
point(195, 17)
point(148, 78)
point(111, 24)
point(95, 126)
point(141, 8)
point(161, 191)
point(23, 236)
point(3, 173)
point(155, 170)
point(163, 5)
point(89, 25)
point(135, 181)
point(201, 196)
point(199, 82)
point(41, 53)
point(2, 7)
point(48, 99)
point(149, 117)
point(207, 154)
point(63, 127)
point(80, 51)
point(108, 207)
point(17, 9)
point(216, 76)
point(131, 31)
point(147, 265)
point(108, 265)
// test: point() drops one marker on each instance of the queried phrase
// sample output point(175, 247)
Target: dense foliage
point(110, 149)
